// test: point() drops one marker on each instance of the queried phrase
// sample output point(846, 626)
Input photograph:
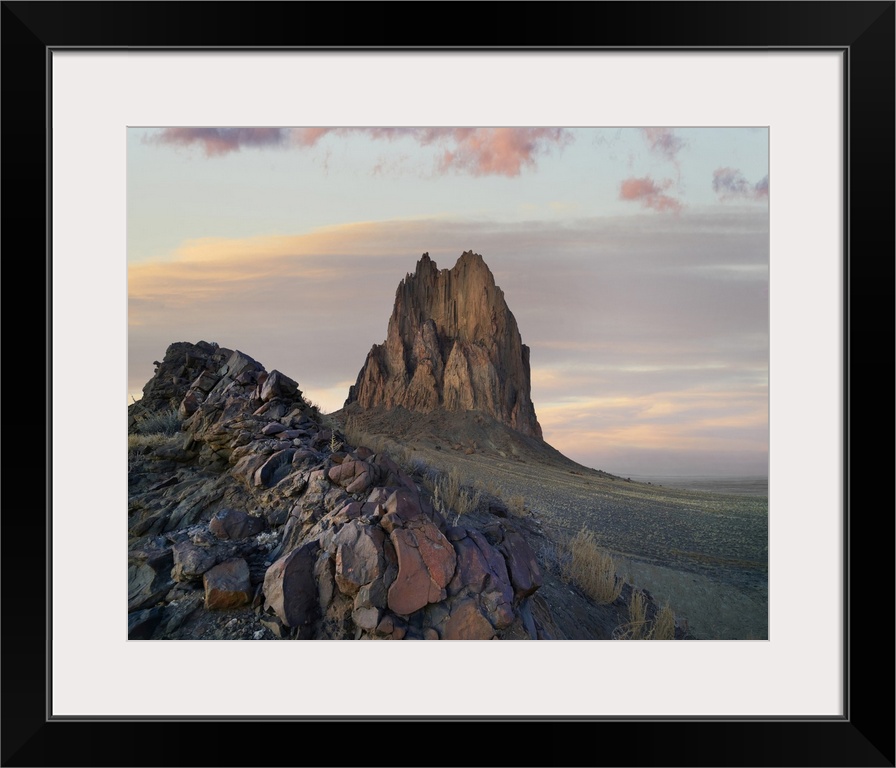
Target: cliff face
point(451, 343)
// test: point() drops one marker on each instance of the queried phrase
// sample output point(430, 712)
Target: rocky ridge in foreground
point(255, 507)
point(249, 517)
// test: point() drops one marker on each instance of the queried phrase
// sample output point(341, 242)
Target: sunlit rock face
point(452, 343)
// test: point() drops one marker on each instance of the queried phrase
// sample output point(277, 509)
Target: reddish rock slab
point(466, 622)
point(227, 585)
point(426, 563)
point(402, 507)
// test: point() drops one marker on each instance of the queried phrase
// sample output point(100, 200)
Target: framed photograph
point(817, 78)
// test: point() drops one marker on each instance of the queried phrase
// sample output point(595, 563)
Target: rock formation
point(452, 343)
point(249, 516)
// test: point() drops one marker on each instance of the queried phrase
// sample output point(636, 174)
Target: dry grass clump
point(400, 454)
point(593, 569)
point(637, 616)
point(137, 442)
point(451, 495)
point(139, 445)
point(639, 627)
point(490, 487)
point(166, 422)
point(664, 624)
point(517, 504)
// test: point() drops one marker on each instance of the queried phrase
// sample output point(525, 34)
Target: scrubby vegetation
point(165, 422)
point(454, 497)
point(640, 627)
point(158, 432)
point(591, 568)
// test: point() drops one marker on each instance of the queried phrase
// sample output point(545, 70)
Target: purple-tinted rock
point(290, 589)
point(234, 524)
point(481, 572)
point(274, 469)
point(522, 565)
point(354, 476)
point(359, 556)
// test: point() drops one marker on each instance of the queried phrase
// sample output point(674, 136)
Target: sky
point(635, 261)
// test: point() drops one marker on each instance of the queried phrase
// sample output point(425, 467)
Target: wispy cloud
point(730, 184)
point(665, 142)
point(222, 141)
point(626, 358)
point(650, 194)
point(474, 151)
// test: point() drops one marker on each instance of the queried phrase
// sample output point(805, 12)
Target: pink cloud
point(499, 151)
point(477, 151)
point(649, 193)
point(730, 184)
point(221, 141)
point(308, 137)
point(664, 141)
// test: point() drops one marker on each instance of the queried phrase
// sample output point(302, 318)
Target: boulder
point(482, 573)
point(290, 589)
point(426, 563)
point(359, 556)
point(227, 585)
point(466, 622)
point(522, 564)
point(278, 385)
point(149, 577)
point(234, 524)
point(355, 476)
point(190, 561)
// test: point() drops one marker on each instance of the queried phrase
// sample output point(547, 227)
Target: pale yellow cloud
point(679, 421)
point(312, 304)
point(565, 207)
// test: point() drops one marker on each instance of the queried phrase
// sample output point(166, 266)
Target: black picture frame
point(863, 31)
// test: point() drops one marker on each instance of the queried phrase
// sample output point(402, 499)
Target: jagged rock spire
point(451, 343)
